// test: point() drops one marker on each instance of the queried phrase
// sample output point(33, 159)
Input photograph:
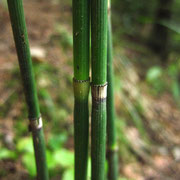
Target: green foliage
point(57, 157)
point(57, 141)
point(173, 71)
point(28, 161)
point(7, 154)
point(176, 90)
point(25, 147)
point(174, 26)
point(54, 106)
point(20, 127)
point(69, 174)
point(154, 73)
point(51, 162)
point(64, 158)
point(154, 77)
point(64, 37)
point(165, 80)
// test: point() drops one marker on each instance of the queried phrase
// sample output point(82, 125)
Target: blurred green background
point(146, 37)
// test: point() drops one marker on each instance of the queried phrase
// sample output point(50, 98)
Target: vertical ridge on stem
point(99, 79)
point(111, 129)
point(18, 23)
point(81, 83)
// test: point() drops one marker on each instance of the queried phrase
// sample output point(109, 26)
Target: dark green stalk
point(81, 86)
point(81, 39)
point(111, 130)
point(99, 87)
point(81, 128)
point(22, 46)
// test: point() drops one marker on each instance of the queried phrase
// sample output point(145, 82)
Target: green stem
point(81, 33)
point(81, 128)
point(98, 140)
point(111, 130)
point(99, 87)
point(81, 39)
point(16, 12)
point(99, 41)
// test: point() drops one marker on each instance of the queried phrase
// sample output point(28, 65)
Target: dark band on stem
point(35, 124)
point(80, 81)
point(99, 92)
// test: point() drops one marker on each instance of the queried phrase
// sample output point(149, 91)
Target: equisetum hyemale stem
point(98, 149)
point(18, 23)
point(81, 127)
point(98, 87)
point(111, 130)
point(81, 33)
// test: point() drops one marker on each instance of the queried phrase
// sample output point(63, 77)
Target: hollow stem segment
point(81, 128)
point(111, 129)
point(81, 33)
point(98, 147)
point(99, 87)
point(16, 12)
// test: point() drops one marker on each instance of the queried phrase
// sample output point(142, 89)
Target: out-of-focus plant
point(165, 80)
point(133, 13)
point(51, 102)
point(7, 154)
point(63, 37)
point(173, 71)
point(4, 3)
point(154, 78)
point(57, 158)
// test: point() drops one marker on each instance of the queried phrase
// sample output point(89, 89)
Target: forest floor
point(47, 22)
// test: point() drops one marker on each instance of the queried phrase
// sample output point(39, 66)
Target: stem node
point(35, 124)
point(99, 92)
point(81, 88)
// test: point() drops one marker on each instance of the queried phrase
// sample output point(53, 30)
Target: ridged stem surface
point(99, 78)
point(111, 128)
point(81, 128)
point(98, 142)
point(81, 33)
point(99, 41)
point(16, 12)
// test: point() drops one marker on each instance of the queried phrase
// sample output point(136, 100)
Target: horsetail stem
point(18, 23)
point(81, 33)
point(111, 130)
point(99, 87)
